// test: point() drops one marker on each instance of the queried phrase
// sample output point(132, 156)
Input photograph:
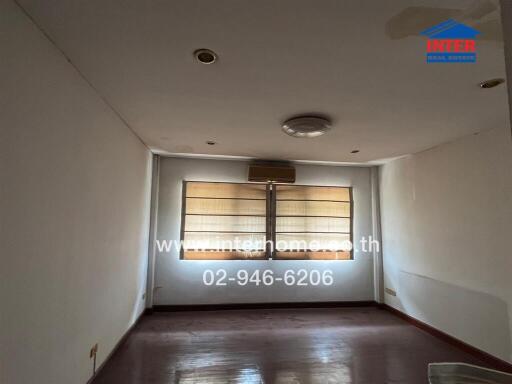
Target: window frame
point(270, 218)
point(274, 219)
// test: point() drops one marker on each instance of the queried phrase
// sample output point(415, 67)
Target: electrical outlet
point(390, 291)
point(94, 351)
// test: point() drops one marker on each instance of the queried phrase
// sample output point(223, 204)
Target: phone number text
point(301, 277)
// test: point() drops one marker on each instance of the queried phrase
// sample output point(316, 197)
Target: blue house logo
point(451, 42)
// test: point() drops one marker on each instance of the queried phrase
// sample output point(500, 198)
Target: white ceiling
point(358, 61)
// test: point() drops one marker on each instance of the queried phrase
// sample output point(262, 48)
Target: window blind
point(233, 221)
point(224, 221)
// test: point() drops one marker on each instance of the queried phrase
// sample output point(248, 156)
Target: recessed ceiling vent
point(306, 126)
point(205, 56)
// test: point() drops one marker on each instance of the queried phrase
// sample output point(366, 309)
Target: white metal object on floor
point(460, 373)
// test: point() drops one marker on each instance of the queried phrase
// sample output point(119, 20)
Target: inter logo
point(451, 42)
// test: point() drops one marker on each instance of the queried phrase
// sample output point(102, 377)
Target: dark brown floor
point(340, 345)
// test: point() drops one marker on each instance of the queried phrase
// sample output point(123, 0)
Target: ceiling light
point(205, 56)
point(306, 126)
point(491, 83)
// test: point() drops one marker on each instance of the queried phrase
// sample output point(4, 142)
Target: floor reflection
point(302, 346)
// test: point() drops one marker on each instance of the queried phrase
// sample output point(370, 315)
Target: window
point(224, 221)
point(249, 221)
point(315, 222)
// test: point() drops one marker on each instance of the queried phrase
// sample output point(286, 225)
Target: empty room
point(256, 192)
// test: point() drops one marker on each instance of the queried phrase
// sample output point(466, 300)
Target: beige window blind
point(233, 221)
point(224, 221)
point(317, 220)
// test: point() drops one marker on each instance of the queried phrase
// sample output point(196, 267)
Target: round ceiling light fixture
point(205, 56)
point(306, 126)
point(491, 83)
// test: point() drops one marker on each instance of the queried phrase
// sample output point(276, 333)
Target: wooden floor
point(339, 345)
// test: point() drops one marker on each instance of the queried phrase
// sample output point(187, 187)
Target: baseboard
point(238, 306)
point(119, 343)
point(494, 362)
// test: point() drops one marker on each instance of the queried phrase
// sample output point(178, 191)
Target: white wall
point(446, 232)
point(180, 281)
point(74, 214)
